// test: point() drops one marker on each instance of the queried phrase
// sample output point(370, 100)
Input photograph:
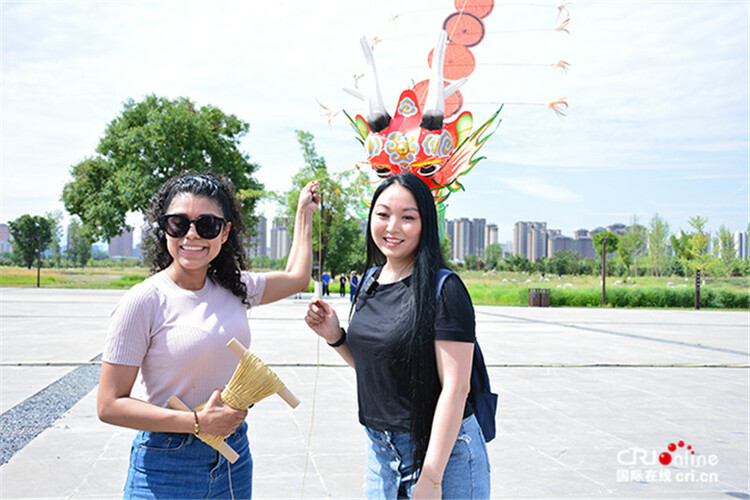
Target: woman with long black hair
point(412, 355)
point(171, 330)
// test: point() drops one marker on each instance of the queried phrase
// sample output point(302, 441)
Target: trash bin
point(539, 297)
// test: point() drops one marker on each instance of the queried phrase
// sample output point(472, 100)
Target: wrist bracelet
point(339, 341)
point(434, 484)
point(197, 428)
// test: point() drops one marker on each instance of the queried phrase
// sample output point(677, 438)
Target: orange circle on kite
point(459, 61)
point(453, 102)
point(464, 29)
point(480, 8)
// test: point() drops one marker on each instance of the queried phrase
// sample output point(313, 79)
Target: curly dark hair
point(225, 268)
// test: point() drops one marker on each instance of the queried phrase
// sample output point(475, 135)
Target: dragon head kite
point(418, 139)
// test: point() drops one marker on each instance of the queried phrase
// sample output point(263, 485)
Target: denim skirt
point(390, 470)
point(168, 465)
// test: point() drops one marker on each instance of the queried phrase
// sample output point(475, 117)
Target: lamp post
point(604, 271)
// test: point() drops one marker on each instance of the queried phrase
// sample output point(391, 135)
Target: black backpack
point(481, 397)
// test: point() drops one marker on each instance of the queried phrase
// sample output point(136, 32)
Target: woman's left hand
point(425, 489)
point(309, 198)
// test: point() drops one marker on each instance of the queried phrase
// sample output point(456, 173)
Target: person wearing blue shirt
point(353, 282)
point(326, 279)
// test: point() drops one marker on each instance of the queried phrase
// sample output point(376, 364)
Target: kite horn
point(432, 117)
point(377, 116)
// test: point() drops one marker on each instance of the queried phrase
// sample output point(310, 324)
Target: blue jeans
point(390, 469)
point(166, 465)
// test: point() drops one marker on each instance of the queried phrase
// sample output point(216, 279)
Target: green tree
point(657, 238)
point(31, 235)
point(612, 242)
point(493, 254)
point(631, 244)
point(519, 263)
point(150, 142)
point(563, 262)
point(727, 252)
point(472, 262)
point(445, 249)
point(698, 249)
point(680, 247)
point(79, 246)
point(55, 219)
point(335, 231)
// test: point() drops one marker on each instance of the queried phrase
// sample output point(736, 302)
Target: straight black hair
point(418, 340)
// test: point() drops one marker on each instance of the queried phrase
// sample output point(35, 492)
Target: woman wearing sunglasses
point(172, 330)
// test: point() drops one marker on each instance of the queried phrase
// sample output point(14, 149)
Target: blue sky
point(658, 95)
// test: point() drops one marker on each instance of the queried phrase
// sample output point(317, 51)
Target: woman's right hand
point(219, 419)
point(322, 319)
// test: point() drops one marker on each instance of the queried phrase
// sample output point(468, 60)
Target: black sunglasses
point(207, 226)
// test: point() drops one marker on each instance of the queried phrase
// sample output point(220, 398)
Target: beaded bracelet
point(197, 429)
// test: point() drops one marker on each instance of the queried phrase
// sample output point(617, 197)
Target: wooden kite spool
point(251, 382)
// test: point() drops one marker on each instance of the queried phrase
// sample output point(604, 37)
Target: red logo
point(666, 457)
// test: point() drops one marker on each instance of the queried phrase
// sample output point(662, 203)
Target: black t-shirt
point(373, 337)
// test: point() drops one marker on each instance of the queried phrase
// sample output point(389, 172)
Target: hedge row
point(715, 298)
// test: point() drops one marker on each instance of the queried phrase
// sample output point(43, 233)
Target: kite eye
point(382, 172)
point(428, 170)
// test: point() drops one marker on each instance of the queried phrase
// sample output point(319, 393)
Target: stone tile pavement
point(589, 399)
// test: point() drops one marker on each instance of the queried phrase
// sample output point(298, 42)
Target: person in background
point(172, 330)
point(326, 279)
point(412, 355)
point(353, 282)
point(342, 285)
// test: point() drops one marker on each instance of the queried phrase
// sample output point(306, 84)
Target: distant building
point(536, 241)
point(462, 238)
point(5, 245)
point(533, 240)
point(259, 243)
point(476, 242)
point(490, 235)
point(122, 244)
point(467, 237)
point(280, 240)
point(740, 244)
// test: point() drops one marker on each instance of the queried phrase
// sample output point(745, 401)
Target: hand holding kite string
point(251, 382)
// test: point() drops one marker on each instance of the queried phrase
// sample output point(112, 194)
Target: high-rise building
point(259, 243)
point(536, 240)
point(490, 235)
point(280, 241)
point(520, 235)
point(467, 237)
point(122, 244)
point(740, 244)
point(5, 245)
point(462, 241)
point(476, 241)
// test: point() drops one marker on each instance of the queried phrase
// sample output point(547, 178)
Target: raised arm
point(296, 277)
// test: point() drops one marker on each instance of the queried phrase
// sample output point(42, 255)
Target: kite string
point(317, 355)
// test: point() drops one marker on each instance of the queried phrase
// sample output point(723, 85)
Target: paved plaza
point(589, 400)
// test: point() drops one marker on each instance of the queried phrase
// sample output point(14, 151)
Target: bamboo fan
point(251, 382)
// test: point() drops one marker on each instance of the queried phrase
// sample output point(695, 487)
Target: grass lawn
point(485, 288)
point(89, 277)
